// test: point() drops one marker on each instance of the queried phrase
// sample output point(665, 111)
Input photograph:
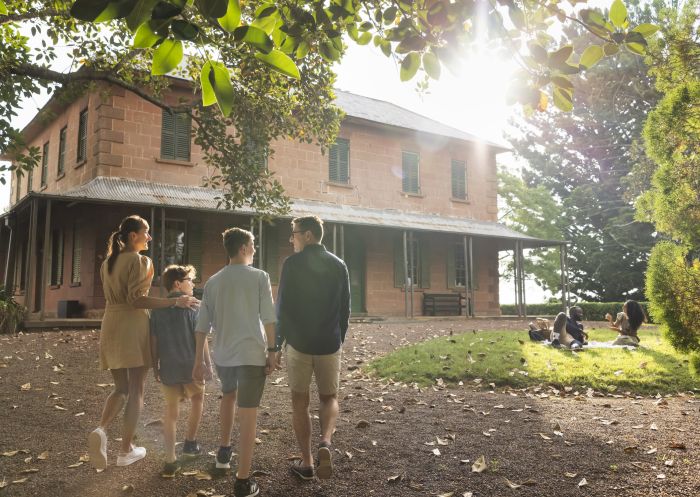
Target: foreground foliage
point(510, 358)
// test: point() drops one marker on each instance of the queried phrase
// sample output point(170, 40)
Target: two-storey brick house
point(405, 200)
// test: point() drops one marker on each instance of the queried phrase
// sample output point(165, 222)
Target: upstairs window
point(45, 164)
point(30, 179)
point(339, 161)
point(18, 186)
point(459, 179)
point(62, 150)
point(82, 136)
point(175, 136)
point(409, 166)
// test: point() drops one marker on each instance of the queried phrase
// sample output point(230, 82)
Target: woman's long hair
point(635, 315)
point(118, 240)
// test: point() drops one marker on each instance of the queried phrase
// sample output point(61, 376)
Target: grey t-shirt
point(174, 329)
point(237, 302)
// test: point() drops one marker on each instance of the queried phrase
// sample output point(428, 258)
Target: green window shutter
point(424, 264)
point(333, 163)
point(409, 166)
point(399, 276)
point(167, 136)
point(339, 161)
point(459, 179)
point(194, 248)
point(183, 136)
point(62, 151)
point(45, 164)
point(272, 253)
point(82, 136)
point(451, 273)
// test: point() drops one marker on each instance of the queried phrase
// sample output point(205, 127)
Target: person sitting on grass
point(627, 323)
point(173, 349)
point(567, 331)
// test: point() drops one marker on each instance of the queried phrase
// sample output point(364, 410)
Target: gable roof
point(383, 112)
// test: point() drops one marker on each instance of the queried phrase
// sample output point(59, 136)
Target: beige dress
point(124, 337)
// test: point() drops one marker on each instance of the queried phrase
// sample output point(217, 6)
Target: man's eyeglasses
point(186, 279)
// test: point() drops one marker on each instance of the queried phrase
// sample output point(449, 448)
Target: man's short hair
point(314, 224)
point(234, 239)
point(175, 273)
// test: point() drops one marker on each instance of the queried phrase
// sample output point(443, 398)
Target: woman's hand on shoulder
point(187, 302)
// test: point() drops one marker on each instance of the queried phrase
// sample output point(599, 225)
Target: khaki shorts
point(325, 368)
point(175, 393)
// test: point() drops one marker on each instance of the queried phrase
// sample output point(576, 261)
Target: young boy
point(173, 350)
point(237, 306)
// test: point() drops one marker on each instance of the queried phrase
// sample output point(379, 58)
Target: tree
point(583, 160)
point(672, 138)
point(267, 64)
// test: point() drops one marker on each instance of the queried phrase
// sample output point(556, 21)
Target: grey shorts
point(248, 381)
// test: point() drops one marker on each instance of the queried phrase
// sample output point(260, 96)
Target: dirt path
point(552, 443)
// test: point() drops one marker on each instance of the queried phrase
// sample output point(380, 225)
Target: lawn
point(508, 358)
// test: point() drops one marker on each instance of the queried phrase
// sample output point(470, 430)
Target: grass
point(509, 358)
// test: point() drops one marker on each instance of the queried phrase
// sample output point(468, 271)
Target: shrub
point(11, 313)
point(592, 311)
point(673, 287)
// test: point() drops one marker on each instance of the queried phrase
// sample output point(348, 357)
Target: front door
point(355, 260)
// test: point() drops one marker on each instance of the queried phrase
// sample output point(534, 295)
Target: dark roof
point(129, 191)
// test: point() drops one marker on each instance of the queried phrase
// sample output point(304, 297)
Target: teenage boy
point(313, 311)
point(237, 306)
point(173, 349)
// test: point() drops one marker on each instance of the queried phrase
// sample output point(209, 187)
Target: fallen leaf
point(79, 414)
point(3, 483)
point(676, 445)
point(669, 463)
point(60, 407)
point(29, 471)
point(582, 483)
point(362, 424)
point(511, 484)
point(348, 454)
point(479, 465)
point(43, 456)
point(154, 422)
point(127, 489)
point(201, 475)
point(192, 473)
point(661, 476)
point(570, 475)
point(258, 441)
point(653, 427)
point(21, 480)
point(436, 452)
point(467, 494)
point(630, 449)
point(28, 460)
point(545, 436)
point(464, 461)
point(448, 494)
point(652, 450)
point(10, 453)
point(441, 441)
point(76, 465)
point(260, 472)
point(396, 478)
point(25, 387)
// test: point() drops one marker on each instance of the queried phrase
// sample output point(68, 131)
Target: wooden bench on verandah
point(443, 304)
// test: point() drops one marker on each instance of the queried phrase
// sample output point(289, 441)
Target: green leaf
point(411, 44)
point(559, 58)
point(208, 95)
point(538, 52)
point(255, 37)
point(389, 14)
point(232, 19)
point(280, 62)
point(328, 51)
point(409, 66)
point(166, 10)
point(618, 14)
point(638, 48)
point(3, 8)
point(167, 57)
point(364, 38)
point(266, 18)
point(145, 37)
point(611, 48)
point(140, 13)
point(646, 30)
point(302, 50)
point(184, 30)
point(591, 56)
point(385, 47)
point(563, 99)
point(213, 9)
point(563, 82)
point(220, 79)
point(86, 10)
point(516, 16)
point(431, 64)
point(595, 21)
point(115, 10)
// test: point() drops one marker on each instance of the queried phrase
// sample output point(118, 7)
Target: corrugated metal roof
point(383, 112)
point(190, 197)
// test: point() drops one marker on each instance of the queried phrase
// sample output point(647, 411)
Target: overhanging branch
point(34, 14)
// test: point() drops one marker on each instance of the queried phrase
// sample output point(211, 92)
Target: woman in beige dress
point(124, 336)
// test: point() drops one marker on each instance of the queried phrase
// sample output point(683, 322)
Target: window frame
point(61, 164)
point(44, 164)
point(405, 174)
point(76, 256)
point(81, 153)
point(56, 261)
point(458, 163)
point(175, 133)
point(335, 149)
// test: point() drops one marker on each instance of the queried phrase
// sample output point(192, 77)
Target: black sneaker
point(324, 470)
point(191, 449)
point(246, 488)
point(170, 469)
point(223, 458)
point(305, 473)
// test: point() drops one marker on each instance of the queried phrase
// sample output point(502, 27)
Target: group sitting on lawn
point(311, 319)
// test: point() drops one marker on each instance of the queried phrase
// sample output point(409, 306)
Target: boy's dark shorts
point(249, 381)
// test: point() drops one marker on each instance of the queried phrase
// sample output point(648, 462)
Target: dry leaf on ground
point(479, 465)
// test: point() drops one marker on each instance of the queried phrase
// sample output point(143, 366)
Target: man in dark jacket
point(313, 311)
point(568, 330)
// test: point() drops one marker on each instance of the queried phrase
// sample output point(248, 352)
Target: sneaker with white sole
point(223, 457)
point(97, 448)
point(136, 454)
point(324, 470)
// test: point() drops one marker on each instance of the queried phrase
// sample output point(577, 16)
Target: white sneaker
point(136, 454)
point(97, 448)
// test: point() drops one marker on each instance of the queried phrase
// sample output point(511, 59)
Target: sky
point(473, 101)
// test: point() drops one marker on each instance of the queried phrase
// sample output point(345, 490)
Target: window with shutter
point(76, 258)
point(45, 164)
point(62, 150)
point(410, 172)
point(82, 136)
point(30, 179)
point(18, 187)
point(459, 179)
point(456, 267)
point(339, 161)
point(173, 242)
point(57, 258)
point(175, 136)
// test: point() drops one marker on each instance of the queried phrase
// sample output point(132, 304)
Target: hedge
point(592, 311)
